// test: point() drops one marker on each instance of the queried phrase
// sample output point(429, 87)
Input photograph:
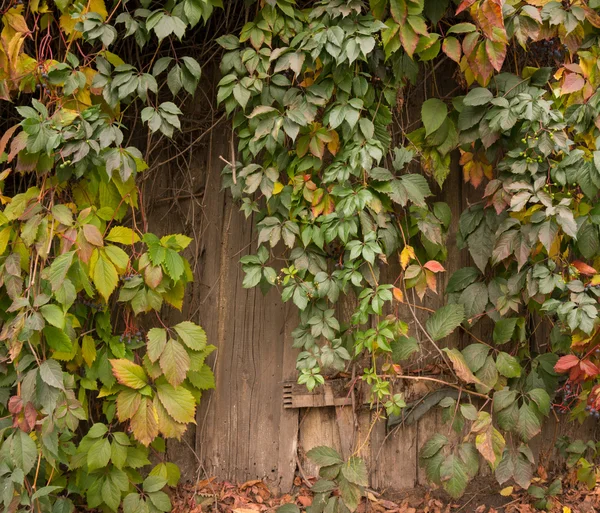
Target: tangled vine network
point(342, 191)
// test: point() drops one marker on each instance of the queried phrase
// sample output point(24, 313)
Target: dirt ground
point(482, 496)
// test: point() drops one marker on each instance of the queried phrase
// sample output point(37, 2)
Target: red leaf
point(465, 4)
point(434, 266)
point(589, 369)
point(566, 362)
point(583, 268)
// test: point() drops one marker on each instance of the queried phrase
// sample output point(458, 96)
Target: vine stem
point(441, 381)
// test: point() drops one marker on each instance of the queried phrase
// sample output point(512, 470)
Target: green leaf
point(57, 339)
point(349, 492)
point(179, 402)
point(59, 268)
point(461, 279)
point(160, 500)
point(460, 366)
point(168, 471)
point(290, 507)
point(475, 356)
point(111, 494)
point(51, 374)
point(433, 114)
point(355, 471)
point(174, 362)
point(154, 483)
point(53, 315)
point(541, 398)
point(454, 477)
point(23, 451)
point(192, 335)
point(403, 347)
point(204, 379)
point(174, 264)
point(118, 454)
point(434, 445)
point(98, 455)
point(529, 424)
point(478, 96)
point(324, 456)
point(504, 329)
point(508, 365)
point(445, 320)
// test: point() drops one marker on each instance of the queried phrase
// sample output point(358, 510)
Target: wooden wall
point(243, 431)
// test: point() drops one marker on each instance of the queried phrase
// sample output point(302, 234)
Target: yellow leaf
point(4, 238)
point(407, 254)
point(68, 23)
point(505, 492)
point(277, 188)
point(566, 509)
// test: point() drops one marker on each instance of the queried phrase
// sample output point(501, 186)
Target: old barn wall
point(243, 431)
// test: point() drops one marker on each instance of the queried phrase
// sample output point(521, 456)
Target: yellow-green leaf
point(88, 350)
point(122, 235)
point(192, 335)
point(105, 276)
point(128, 402)
point(179, 402)
point(144, 424)
point(174, 362)
point(129, 374)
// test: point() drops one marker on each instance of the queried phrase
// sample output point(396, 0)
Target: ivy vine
point(91, 378)
point(313, 92)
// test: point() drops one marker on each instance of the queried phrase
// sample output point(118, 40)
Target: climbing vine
point(344, 195)
point(91, 378)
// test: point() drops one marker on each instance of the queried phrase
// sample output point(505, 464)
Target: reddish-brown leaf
point(409, 39)
point(465, 4)
point(451, 47)
point(30, 415)
point(496, 53)
point(572, 83)
point(15, 404)
point(490, 20)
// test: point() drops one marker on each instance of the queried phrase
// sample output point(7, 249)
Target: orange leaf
point(434, 266)
point(431, 281)
point(398, 295)
point(583, 268)
point(475, 167)
point(7, 135)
